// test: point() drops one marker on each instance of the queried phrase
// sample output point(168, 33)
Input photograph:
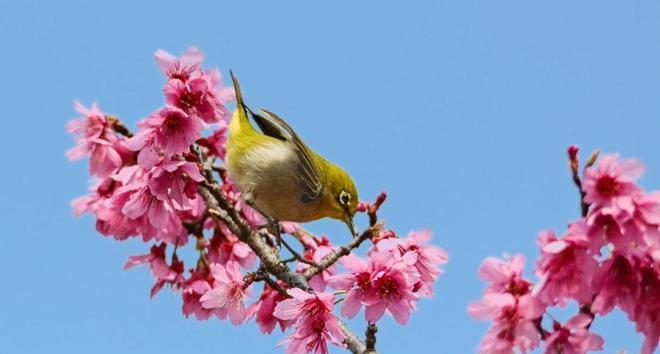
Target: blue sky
point(461, 110)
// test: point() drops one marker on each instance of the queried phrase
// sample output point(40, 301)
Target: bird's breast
point(268, 173)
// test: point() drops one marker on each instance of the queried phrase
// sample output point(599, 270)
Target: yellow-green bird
point(280, 175)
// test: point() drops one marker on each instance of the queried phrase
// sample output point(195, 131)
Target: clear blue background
point(461, 110)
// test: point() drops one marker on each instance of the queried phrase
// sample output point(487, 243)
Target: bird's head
point(341, 196)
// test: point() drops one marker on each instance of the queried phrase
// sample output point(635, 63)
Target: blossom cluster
point(148, 185)
point(610, 257)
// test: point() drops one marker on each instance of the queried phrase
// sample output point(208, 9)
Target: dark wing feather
point(311, 185)
point(267, 127)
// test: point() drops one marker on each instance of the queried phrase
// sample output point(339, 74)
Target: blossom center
point(388, 287)
point(363, 281)
point(607, 186)
point(172, 122)
point(188, 99)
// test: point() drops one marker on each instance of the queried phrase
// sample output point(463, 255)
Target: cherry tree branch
point(327, 261)
point(370, 342)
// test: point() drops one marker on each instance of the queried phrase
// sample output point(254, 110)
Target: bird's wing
point(267, 127)
point(274, 126)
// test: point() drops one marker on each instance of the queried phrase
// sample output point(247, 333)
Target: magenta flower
point(169, 129)
point(157, 217)
point(357, 283)
point(428, 258)
point(646, 313)
point(177, 181)
point(216, 143)
point(617, 282)
point(228, 293)
point(612, 183)
point(574, 338)
point(162, 272)
point(504, 276)
point(314, 321)
point(225, 247)
point(183, 68)
point(193, 289)
point(513, 325)
point(110, 221)
point(391, 288)
point(95, 138)
point(289, 227)
point(507, 301)
point(202, 96)
point(264, 308)
point(566, 269)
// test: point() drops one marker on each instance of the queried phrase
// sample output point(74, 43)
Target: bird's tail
point(240, 104)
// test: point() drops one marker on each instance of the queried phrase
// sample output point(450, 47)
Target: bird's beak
point(351, 225)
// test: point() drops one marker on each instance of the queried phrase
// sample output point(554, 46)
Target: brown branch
point(370, 342)
point(262, 275)
point(539, 327)
point(327, 261)
point(575, 167)
point(353, 343)
point(297, 256)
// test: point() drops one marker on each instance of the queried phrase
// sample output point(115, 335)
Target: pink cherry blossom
point(156, 217)
point(428, 258)
point(646, 313)
point(513, 326)
point(315, 324)
point(169, 129)
point(289, 227)
point(202, 96)
point(565, 268)
point(573, 338)
point(193, 289)
point(162, 272)
point(182, 68)
point(225, 247)
point(391, 286)
point(110, 221)
point(356, 282)
point(503, 276)
point(216, 143)
point(617, 282)
point(250, 214)
point(228, 294)
point(612, 183)
point(176, 180)
point(263, 310)
point(95, 138)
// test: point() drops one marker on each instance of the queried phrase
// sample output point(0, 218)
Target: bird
point(280, 176)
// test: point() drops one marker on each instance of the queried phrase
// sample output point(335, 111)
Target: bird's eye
point(344, 198)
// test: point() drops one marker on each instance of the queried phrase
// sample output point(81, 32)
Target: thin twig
point(262, 275)
point(295, 254)
point(344, 250)
point(370, 341)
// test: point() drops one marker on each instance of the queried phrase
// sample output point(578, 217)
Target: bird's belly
point(268, 176)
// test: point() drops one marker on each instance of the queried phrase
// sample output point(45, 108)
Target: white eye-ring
point(344, 198)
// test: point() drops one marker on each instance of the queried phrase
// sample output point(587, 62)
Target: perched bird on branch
point(282, 177)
